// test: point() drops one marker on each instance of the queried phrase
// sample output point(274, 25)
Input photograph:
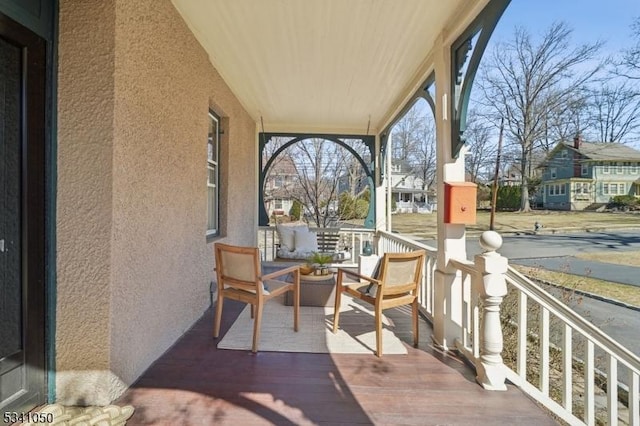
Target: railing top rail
point(576, 321)
point(399, 238)
point(332, 229)
point(464, 265)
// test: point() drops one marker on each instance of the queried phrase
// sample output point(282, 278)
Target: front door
point(22, 230)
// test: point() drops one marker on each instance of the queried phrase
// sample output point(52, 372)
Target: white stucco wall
point(133, 263)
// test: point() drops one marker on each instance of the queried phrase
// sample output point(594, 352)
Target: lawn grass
point(424, 225)
point(628, 258)
point(624, 293)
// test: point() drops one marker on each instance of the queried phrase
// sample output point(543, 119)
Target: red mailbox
point(460, 202)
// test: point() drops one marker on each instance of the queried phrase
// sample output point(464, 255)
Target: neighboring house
point(408, 191)
point(583, 174)
point(280, 185)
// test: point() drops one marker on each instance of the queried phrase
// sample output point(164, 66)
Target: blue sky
point(591, 20)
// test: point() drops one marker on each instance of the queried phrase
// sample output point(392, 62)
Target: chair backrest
point(401, 272)
point(237, 266)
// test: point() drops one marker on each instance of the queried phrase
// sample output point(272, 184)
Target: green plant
point(623, 201)
point(508, 198)
point(352, 208)
point(319, 258)
point(296, 210)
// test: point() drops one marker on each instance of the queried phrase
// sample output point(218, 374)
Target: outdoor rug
point(356, 334)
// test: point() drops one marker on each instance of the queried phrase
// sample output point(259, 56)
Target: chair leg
point(378, 320)
point(253, 312)
point(336, 306)
point(218, 317)
point(256, 327)
point(414, 313)
point(296, 306)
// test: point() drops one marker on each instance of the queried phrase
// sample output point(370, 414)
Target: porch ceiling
point(323, 65)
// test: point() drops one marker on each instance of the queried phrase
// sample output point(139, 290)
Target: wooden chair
point(397, 283)
point(239, 278)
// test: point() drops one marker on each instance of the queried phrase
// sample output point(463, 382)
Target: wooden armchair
point(239, 278)
point(397, 283)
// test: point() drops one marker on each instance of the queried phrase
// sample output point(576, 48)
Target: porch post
point(447, 313)
point(380, 196)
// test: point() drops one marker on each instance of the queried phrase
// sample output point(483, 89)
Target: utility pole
point(494, 193)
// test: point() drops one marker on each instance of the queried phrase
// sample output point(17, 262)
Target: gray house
point(586, 175)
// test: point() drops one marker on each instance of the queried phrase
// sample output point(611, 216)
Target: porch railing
point(351, 239)
point(553, 354)
point(530, 337)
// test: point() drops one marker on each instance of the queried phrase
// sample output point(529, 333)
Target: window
point(213, 176)
point(614, 188)
point(582, 188)
point(277, 204)
point(553, 171)
point(558, 189)
point(633, 168)
point(584, 169)
point(620, 169)
point(605, 169)
point(278, 182)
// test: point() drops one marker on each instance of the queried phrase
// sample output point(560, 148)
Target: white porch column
point(387, 178)
point(447, 315)
point(381, 197)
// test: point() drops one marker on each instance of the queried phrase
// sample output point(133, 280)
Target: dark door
point(22, 230)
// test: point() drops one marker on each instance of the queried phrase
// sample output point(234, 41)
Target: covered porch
point(156, 114)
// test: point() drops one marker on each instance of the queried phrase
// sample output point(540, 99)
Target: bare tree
point(614, 112)
point(481, 150)
point(523, 80)
point(565, 121)
point(629, 65)
point(423, 154)
point(320, 164)
point(406, 133)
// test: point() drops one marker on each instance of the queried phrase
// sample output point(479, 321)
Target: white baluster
point(493, 266)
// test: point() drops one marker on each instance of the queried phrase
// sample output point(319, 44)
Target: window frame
point(584, 169)
point(213, 165)
point(553, 172)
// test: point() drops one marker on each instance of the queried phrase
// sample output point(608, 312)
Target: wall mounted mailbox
point(460, 202)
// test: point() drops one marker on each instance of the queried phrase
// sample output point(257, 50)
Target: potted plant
point(319, 262)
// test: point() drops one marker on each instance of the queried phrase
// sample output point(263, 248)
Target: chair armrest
point(280, 272)
point(357, 275)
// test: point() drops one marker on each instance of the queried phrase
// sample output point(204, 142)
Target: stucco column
point(447, 314)
point(493, 266)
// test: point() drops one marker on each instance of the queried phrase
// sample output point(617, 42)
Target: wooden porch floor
point(194, 383)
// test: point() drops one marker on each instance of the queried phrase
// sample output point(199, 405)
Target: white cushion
point(305, 240)
point(286, 234)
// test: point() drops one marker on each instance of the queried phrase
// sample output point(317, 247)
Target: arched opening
point(325, 180)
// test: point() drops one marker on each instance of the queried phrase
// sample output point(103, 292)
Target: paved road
point(555, 245)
